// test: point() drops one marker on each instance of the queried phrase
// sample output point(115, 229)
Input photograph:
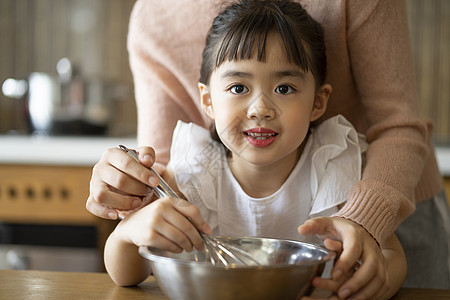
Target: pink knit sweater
point(369, 66)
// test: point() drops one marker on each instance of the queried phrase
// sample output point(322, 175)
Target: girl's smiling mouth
point(260, 137)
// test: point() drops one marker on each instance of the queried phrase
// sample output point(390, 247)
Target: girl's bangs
point(247, 40)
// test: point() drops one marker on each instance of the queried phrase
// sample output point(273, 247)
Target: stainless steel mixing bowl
point(285, 272)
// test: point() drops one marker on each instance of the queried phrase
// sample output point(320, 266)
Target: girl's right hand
point(168, 223)
point(120, 183)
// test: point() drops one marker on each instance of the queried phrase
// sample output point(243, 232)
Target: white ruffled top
point(330, 164)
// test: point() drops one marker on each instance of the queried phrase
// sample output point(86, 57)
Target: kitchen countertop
point(45, 150)
point(39, 285)
point(86, 151)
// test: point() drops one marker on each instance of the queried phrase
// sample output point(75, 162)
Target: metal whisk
point(217, 252)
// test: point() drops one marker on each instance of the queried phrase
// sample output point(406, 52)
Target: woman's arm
point(165, 62)
point(383, 71)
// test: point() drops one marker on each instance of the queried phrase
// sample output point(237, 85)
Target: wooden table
point(44, 285)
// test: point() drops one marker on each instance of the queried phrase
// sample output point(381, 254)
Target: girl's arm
point(162, 224)
point(123, 263)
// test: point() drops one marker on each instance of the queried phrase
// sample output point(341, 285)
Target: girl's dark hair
point(241, 30)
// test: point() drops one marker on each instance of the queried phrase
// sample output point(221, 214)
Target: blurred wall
point(429, 22)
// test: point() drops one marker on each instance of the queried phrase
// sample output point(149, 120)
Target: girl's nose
point(261, 108)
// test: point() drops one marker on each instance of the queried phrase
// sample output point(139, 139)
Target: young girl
point(269, 164)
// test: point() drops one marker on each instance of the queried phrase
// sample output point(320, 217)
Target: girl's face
point(262, 110)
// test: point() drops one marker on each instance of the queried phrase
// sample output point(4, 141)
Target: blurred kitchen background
point(72, 53)
point(40, 38)
point(66, 92)
point(67, 95)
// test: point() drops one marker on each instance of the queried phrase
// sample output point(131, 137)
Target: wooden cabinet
point(49, 195)
point(45, 194)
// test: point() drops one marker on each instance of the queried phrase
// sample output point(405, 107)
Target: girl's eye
point(238, 89)
point(284, 89)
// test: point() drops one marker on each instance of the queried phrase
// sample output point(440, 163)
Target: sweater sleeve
point(381, 59)
point(161, 62)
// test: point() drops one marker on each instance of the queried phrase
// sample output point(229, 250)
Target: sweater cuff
point(376, 207)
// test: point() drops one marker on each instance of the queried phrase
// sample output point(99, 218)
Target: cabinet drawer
point(45, 194)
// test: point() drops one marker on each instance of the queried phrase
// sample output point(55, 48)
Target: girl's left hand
point(370, 279)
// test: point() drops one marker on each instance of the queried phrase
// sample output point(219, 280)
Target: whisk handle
point(162, 189)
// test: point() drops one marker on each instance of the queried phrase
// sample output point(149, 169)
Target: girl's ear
point(320, 101)
point(205, 98)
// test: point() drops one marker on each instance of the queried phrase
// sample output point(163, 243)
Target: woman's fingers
point(369, 280)
point(119, 182)
point(100, 210)
point(362, 250)
point(123, 162)
point(333, 245)
point(352, 251)
point(109, 196)
point(335, 229)
point(330, 284)
point(320, 297)
point(316, 226)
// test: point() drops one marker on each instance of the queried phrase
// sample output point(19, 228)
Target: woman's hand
point(168, 223)
point(360, 254)
point(120, 183)
point(328, 287)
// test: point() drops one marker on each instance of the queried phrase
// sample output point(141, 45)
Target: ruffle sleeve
point(336, 162)
point(195, 160)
